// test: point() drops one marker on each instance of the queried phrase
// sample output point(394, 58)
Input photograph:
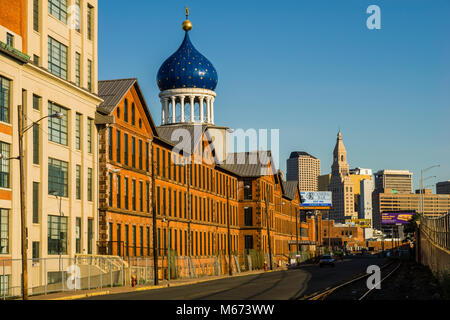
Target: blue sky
point(307, 68)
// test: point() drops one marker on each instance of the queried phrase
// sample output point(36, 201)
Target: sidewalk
point(80, 294)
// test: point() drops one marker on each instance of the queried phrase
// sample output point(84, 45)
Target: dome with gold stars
point(187, 68)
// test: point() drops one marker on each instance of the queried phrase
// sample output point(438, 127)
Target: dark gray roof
point(290, 188)
point(296, 154)
point(250, 164)
point(112, 92)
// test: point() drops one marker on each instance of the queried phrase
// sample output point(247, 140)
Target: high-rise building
point(366, 189)
point(48, 65)
point(341, 185)
point(324, 182)
point(443, 187)
point(434, 204)
point(357, 175)
point(399, 181)
point(389, 183)
point(305, 169)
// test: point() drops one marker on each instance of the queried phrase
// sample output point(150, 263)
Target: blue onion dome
point(187, 68)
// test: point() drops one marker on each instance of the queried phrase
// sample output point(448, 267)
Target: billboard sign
point(396, 217)
point(361, 223)
point(316, 199)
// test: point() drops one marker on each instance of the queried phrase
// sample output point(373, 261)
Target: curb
point(81, 296)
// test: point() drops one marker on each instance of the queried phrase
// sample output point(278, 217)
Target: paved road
point(281, 285)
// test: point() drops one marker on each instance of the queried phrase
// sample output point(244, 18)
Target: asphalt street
point(280, 285)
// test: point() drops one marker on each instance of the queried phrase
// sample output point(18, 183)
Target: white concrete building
point(49, 67)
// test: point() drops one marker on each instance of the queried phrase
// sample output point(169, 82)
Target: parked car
point(326, 260)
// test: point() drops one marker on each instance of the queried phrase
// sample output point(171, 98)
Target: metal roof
point(112, 92)
point(250, 164)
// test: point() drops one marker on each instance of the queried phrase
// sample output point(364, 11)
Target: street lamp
point(268, 227)
point(168, 250)
point(230, 264)
point(22, 130)
point(421, 186)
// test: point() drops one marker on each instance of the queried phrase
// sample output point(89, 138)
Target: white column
point(166, 111)
point(163, 111)
point(208, 112)
point(212, 110)
point(174, 108)
point(192, 107)
point(182, 108)
point(202, 115)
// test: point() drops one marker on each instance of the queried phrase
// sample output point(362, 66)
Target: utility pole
point(22, 208)
point(155, 240)
point(268, 228)
point(230, 264)
point(187, 167)
point(24, 232)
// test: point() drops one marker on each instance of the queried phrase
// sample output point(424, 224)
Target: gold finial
point(187, 25)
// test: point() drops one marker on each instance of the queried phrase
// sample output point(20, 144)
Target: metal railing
point(437, 230)
point(60, 274)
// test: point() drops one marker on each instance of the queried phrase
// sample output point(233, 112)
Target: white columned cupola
point(187, 77)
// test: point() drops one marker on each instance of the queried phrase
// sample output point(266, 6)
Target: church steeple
point(341, 184)
point(340, 164)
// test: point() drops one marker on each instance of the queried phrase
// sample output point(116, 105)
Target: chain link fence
point(86, 272)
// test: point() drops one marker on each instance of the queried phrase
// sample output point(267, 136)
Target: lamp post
point(268, 227)
point(155, 239)
point(230, 264)
point(421, 186)
point(187, 205)
point(22, 130)
point(168, 250)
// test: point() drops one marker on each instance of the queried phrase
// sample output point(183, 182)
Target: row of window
point(58, 179)
point(57, 235)
point(172, 167)
point(58, 63)
point(173, 204)
point(123, 193)
point(68, 15)
point(202, 243)
point(58, 130)
point(126, 156)
point(125, 113)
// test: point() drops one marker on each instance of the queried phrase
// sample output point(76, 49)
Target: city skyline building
point(305, 169)
point(341, 185)
point(443, 187)
point(366, 212)
point(388, 183)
